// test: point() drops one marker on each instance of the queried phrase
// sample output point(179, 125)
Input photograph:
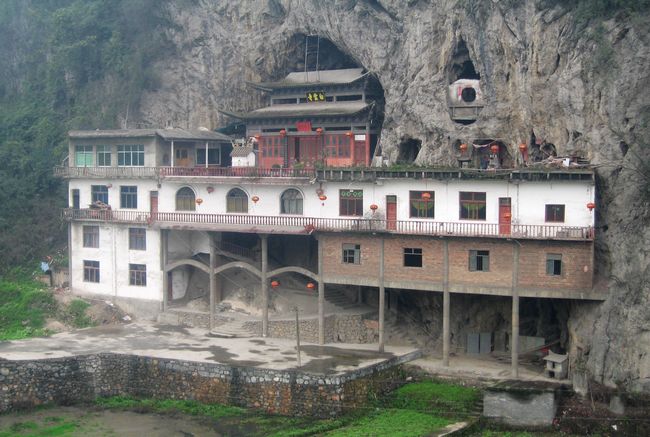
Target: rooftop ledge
point(307, 225)
point(328, 173)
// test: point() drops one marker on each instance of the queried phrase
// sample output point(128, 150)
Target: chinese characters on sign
point(316, 96)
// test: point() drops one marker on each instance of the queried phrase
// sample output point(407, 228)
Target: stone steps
point(397, 334)
point(231, 329)
point(339, 299)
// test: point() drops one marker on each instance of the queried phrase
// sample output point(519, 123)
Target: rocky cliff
point(549, 71)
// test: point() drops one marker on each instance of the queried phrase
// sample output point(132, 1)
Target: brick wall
point(575, 281)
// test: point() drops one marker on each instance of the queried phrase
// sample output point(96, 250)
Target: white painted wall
point(114, 258)
point(528, 199)
point(84, 187)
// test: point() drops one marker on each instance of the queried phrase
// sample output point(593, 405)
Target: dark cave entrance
point(461, 65)
point(409, 148)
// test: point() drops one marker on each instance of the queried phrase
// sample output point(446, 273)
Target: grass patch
point(394, 423)
point(47, 428)
point(24, 306)
point(75, 314)
point(438, 398)
point(192, 408)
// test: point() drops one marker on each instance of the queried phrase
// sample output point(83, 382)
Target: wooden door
point(182, 157)
point(153, 204)
point(505, 216)
point(391, 213)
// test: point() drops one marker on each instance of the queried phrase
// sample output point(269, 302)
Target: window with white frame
point(412, 257)
point(130, 155)
point(129, 197)
point(103, 156)
point(137, 239)
point(351, 253)
point(99, 193)
point(479, 260)
point(83, 156)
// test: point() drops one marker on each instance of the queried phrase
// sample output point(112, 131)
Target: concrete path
point(173, 342)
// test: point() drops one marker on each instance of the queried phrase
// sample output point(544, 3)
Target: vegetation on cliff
point(66, 64)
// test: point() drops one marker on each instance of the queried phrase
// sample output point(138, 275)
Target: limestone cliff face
point(584, 90)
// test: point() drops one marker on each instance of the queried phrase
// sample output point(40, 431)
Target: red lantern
point(283, 132)
point(494, 148)
point(507, 215)
point(319, 131)
point(522, 147)
point(463, 147)
point(275, 284)
point(322, 197)
point(349, 134)
point(257, 137)
point(199, 201)
point(426, 196)
point(311, 285)
point(591, 206)
point(255, 199)
point(374, 207)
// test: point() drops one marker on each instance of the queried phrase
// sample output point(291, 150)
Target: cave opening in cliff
point(465, 97)
point(461, 65)
point(409, 148)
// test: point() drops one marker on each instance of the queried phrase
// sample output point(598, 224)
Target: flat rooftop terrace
point(188, 344)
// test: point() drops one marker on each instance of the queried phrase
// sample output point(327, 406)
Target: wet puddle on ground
point(76, 421)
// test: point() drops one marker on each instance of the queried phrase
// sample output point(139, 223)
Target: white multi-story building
point(151, 210)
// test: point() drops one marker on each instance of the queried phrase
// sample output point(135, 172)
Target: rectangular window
point(129, 197)
point(412, 257)
point(103, 156)
point(351, 203)
point(91, 271)
point(421, 204)
point(83, 156)
point(91, 236)
point(555, 213)
point(479, 260)
point(130, 155)
point(99, 193)
point(138, 275)
point(554, 264)
point(214, 155)
point(472, 206)
point(351, 253)
point(137, 239)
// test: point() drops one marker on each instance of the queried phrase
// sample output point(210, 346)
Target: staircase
point(397, 334)
point(232, 328)
point(338, 298)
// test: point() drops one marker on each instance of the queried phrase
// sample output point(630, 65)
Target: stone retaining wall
point(26, 384)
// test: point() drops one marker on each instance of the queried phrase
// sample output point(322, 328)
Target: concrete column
point(321, 296)
point(265, 286)
point(514, 347)
point(213, 278)
point(382, 297)
point(446, 298)
point(164, 235)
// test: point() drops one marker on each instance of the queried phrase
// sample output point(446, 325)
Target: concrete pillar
point(382, 297)
point(265, 286)
point(514, 347)
point(213, 279)
point(446, 298)
point(164, 235)
point(321, 296)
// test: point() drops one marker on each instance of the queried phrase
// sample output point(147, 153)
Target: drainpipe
point(172, 158)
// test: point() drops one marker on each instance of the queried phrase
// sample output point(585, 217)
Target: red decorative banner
point(303, 126)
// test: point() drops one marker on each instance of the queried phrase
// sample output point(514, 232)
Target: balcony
point(307, 225)
point(184, 172)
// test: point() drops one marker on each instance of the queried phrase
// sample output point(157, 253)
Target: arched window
point(185, 200)
point(236, 201)
point(291, 202)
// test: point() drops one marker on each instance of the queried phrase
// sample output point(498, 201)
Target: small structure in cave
point(317, 118)
point(465, 100)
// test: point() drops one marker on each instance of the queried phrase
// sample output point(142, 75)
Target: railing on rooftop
point(301, 224)
point(325, 174)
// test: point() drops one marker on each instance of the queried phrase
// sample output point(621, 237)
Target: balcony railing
point(300, 224)
point(163, 172)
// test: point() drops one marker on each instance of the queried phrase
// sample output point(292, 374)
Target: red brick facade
point(575, 280)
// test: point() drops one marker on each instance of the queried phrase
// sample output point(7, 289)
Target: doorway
point(505, 216)
point(391, 213)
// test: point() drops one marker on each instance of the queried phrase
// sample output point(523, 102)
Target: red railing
point(310, 224)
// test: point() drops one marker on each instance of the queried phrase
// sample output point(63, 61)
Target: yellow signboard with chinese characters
point(316, 96)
